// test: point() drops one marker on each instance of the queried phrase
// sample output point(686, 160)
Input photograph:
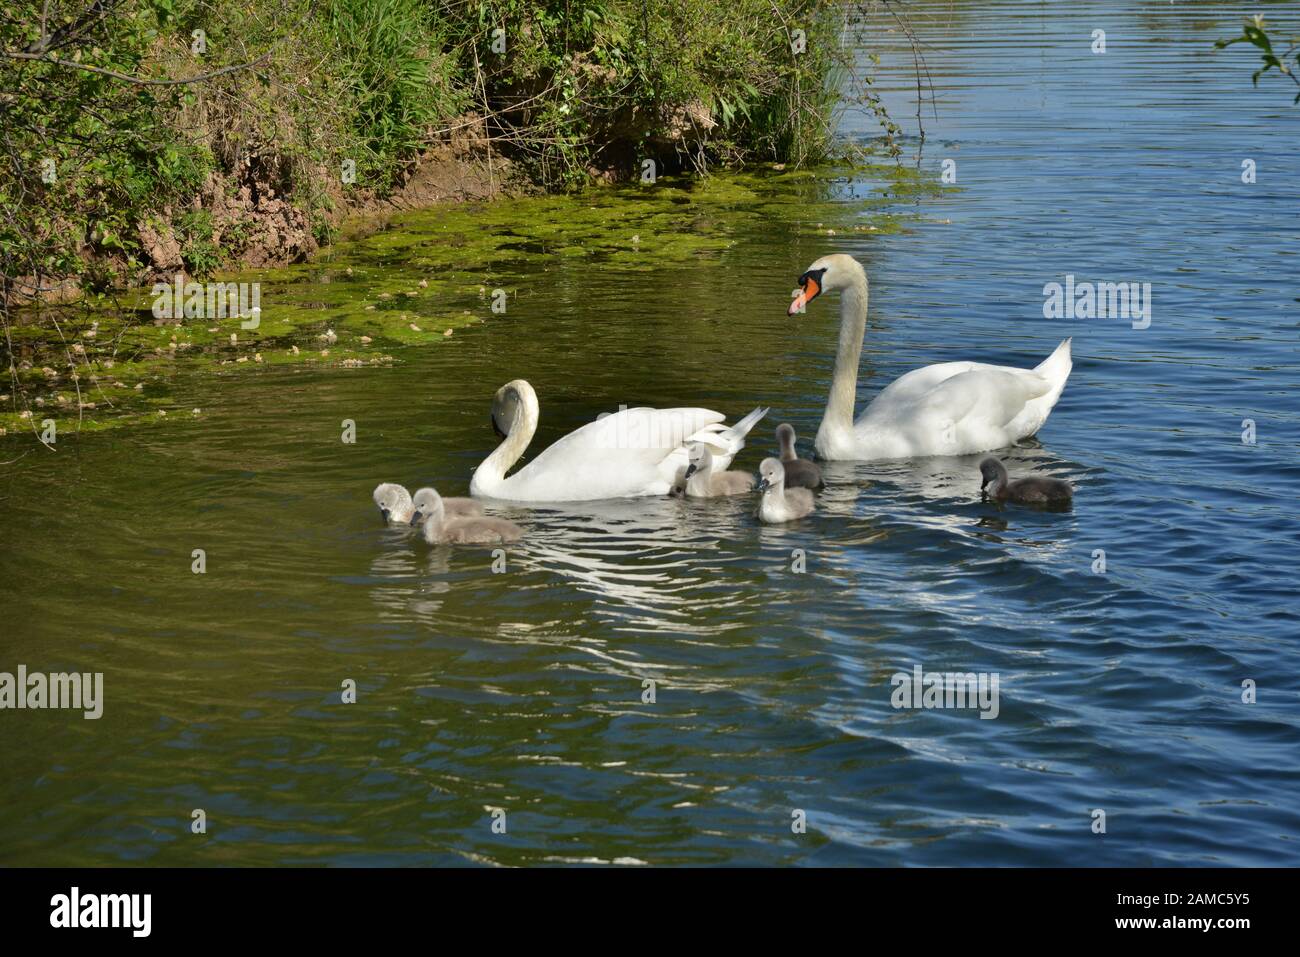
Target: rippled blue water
point(1124, 688)
point(523, 691)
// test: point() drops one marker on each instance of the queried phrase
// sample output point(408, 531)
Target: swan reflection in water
point(641, 554)
point(657, 559)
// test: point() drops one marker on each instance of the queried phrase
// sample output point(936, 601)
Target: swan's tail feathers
point(1056, 367)
point(743, 427)
point(726, 441)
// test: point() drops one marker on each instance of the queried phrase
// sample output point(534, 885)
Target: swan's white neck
point(838, 418)
point(490, 477)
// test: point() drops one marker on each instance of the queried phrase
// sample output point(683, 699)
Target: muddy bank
point(258, 228)
point(253, 225)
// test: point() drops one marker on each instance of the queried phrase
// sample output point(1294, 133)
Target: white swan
point(634, 452)
point(953, 408)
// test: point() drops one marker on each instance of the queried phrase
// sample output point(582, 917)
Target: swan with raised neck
point(950, 408)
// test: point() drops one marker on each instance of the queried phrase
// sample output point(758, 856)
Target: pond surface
point(523, 691)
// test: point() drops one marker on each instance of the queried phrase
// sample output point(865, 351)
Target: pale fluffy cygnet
point(703, 482)
point(396, 505)
point(780, 504)
point(440, 528)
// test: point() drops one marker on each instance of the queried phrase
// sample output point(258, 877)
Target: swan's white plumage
point(948, 409)
point(630, 453)
point(602, 460)
point(951, 408)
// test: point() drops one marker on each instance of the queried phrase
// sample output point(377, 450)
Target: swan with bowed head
point(953, 408)
point(630, 453)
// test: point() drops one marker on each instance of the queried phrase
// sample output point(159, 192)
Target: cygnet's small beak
point(764, 485)
point(691, 470)
point(415, 519)
point(984, 483)
point(385, 513)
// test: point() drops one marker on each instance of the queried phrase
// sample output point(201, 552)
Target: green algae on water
point(421, 276)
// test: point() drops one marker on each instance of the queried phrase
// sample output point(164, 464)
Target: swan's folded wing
point(642, 429)
point(619, 454)
point(905, 393)
point(983, 398)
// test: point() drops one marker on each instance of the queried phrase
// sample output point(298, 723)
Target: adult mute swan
point(952, 408)
point(634, 452)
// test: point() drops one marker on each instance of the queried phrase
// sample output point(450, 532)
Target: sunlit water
point(524, 690)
